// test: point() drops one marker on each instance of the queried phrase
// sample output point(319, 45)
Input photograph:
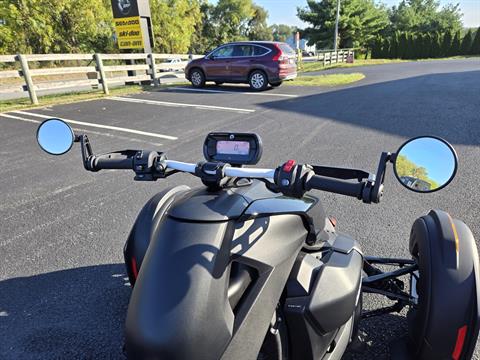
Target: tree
point(475, 50)
point(426, 44)
point(174, 23)
point(42, 26)
point(446, 44)
point(282, 32)
point(203, 38)
point(403, 46)
point(425, 16)
point(406, 167)
point(410, 50)
point(257, 26)
point(360, 23)
point(231, 19)
point(456, 44)
point(394, 46)
point(376, 49)
point(435, 46)
point(386, 48)
point(466, 46)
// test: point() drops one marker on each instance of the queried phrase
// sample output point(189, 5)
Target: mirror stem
point(377, 190)
point(87, 152)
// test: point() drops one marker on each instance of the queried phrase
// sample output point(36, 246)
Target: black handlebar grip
point(110, 162)
point(335, 186)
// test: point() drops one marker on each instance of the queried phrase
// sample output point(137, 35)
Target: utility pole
point(335, 40)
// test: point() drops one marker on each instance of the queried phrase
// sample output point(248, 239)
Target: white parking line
point(234, 92)
point(165, 103)
point(131, 131)
point(86, 131)
point(19, 118)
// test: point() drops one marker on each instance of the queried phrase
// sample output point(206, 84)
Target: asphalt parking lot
point(63, 290)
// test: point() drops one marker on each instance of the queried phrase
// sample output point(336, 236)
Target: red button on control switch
point(288, 166)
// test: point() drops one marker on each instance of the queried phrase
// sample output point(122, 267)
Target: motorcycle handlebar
point(229, 171)
point(109, 162)
point(317, 182)
point(335, 186)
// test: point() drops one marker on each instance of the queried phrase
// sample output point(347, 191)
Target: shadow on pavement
point(381, 332)
point(69, 314)
point(227, 87)
point(445, 105)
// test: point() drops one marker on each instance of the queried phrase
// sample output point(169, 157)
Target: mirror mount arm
point(87, 152)
point(376, 191)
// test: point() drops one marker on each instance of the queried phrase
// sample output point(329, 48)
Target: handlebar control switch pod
point(290, 179)
point(146, 164)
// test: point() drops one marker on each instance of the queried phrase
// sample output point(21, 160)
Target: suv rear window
point(286, 49)
point(259, 50)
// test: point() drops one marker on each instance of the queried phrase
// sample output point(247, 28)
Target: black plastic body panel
point(212, 268)
point(187, 303)
point(145, 225)
point(322, 294)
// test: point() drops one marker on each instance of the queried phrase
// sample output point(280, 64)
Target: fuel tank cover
point(202, 205)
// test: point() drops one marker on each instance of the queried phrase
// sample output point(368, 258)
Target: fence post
point(28, 79)
point(103, 77)
point(153, 69)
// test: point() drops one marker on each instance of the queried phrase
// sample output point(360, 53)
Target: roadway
point(63, 291)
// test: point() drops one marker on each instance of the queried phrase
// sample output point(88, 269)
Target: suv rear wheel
point(197, 78)
point(258, 80)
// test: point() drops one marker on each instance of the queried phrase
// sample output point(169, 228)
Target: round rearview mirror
point(425, 164)
point(55, 137)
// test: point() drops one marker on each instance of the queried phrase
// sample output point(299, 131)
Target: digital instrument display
point(236, 149)
point(233, 147)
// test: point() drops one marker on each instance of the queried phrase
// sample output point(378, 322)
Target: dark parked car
point(257, 63)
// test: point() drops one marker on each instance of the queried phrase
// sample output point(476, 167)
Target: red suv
point(257, 63)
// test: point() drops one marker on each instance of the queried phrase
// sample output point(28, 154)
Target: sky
point(285, 11)
point(433, 155)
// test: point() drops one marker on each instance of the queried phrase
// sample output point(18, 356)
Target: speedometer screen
point(233, 147)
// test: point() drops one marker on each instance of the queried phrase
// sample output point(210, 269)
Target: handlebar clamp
point(212, 174)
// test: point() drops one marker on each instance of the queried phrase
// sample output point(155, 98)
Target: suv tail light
point(283, 59)
point(280, 56)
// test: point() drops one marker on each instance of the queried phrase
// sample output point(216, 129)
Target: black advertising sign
point(124, 8)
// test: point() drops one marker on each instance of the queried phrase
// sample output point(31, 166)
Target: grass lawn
point(24, 103)
point(310, 66)
point(326, 80)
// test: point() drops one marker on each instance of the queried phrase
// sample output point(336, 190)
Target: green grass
point(318, 65)
point(326, 80)
point(310, 66)
point(57, 99)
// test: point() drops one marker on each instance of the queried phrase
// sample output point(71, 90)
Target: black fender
point(147, 221)
point(445, 323)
